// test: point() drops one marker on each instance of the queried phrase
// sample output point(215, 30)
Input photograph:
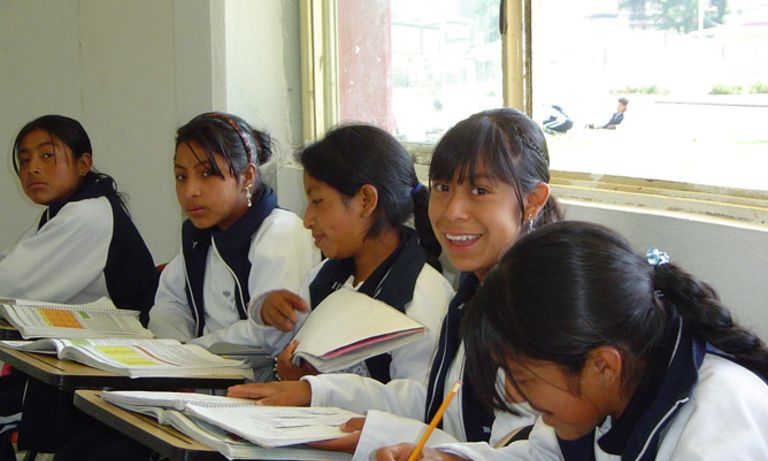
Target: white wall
point(132, 72)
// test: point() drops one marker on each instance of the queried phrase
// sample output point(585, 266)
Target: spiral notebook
point(270, 427)
point(100, 319)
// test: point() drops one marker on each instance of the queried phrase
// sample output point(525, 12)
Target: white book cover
point(348, 327)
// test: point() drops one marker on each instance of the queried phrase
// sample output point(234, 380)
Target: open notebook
point(100, 319)
point(348, 327)
point(240, 428)
point(138, 358)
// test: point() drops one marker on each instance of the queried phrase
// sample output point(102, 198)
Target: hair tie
point(656, 257)
point(417, 187)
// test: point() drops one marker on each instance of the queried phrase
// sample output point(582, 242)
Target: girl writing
point(629, 357)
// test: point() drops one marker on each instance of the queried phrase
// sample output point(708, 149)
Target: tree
point(679, 15)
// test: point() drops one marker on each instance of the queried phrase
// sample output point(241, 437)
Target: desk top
point(67, 375)
point(165, 440)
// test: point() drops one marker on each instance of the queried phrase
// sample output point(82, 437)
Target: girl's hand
point(279, 309)
point(285, 370)
point(402, 451)
point(346, 444)
point(286, 393)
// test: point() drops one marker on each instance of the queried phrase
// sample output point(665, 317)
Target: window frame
point(320, 106)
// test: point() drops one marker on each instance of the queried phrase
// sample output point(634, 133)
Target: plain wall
point(134, 71)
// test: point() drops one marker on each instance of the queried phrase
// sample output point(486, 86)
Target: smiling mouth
point(462, 238)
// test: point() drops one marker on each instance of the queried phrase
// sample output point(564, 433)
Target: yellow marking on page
point(60, 318)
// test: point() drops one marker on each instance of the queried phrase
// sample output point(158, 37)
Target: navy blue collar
point(233, 246)
point(636, 435)
point(92, 186)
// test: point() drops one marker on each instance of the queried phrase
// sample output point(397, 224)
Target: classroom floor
point(40, 457)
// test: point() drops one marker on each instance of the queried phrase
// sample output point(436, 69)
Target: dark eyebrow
point(42, 144)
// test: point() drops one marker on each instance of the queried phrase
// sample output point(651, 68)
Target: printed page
point(54, 320)
point(176, 400)
point(275, 426)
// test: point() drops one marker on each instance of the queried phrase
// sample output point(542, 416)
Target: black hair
point(567, 288)
point(624, 101)
point(351, 156)
point(511, 145)
point(68, 130)
point(231, 137)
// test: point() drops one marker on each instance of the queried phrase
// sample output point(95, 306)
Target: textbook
point(137, 358)
point(178, 409)
point(100, 319)
point(348, 327)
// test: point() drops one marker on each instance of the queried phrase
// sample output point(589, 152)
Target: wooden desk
point(68, 376)
point(165, 440)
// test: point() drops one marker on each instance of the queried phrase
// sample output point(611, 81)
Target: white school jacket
point(281, 253)
point(64, 260)
point(401, 404)
point(431, 296)
point(725, 419)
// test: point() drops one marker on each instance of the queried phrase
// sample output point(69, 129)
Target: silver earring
point(531, 226)
point(248, 194)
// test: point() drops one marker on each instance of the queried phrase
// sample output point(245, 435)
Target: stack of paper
point(349, 327)
point(240, 428)
point(138, 357)
point(100, 319)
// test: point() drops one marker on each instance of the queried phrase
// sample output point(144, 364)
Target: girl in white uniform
point(236, 245)
point(488, 179)
point(361, 189)
point(83, 247)
point(626, 357)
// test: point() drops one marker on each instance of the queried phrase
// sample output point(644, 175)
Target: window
point(691, 75)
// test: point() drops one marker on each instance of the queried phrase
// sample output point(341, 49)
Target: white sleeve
point(541, 445)
point(281, 254)
point(428, 307)
point(269, 337)
point(383, 429)
point(171, 316)
point(64, 257)
point(726, 418)
point(404, 397)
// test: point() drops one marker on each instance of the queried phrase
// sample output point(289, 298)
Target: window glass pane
point(416, 67)
point(696, 85)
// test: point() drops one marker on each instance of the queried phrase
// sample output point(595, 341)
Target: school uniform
point(704, 406)
point(392, 409)
point(81, 249)
point(403, 280)
point(204, 291)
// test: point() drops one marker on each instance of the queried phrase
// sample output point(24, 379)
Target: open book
point(137, 358)
point(100, 319)
point(348, 327)
point(275, 427)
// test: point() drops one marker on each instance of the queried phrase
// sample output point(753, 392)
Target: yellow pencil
point(433, 424)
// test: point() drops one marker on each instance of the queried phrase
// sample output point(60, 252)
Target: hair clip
point(417, 187)
point(238, 129)
point(656, 257)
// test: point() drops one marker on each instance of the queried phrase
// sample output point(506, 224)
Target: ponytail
point(700, 307)
point(423, 226)
point(263, 143)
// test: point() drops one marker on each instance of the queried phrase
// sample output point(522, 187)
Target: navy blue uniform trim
point(393, 282)
point(129, 272)
point(234, 247)
point(476, 419)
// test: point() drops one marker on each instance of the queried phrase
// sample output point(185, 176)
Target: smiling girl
point(488, 180)
point(630, 357)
